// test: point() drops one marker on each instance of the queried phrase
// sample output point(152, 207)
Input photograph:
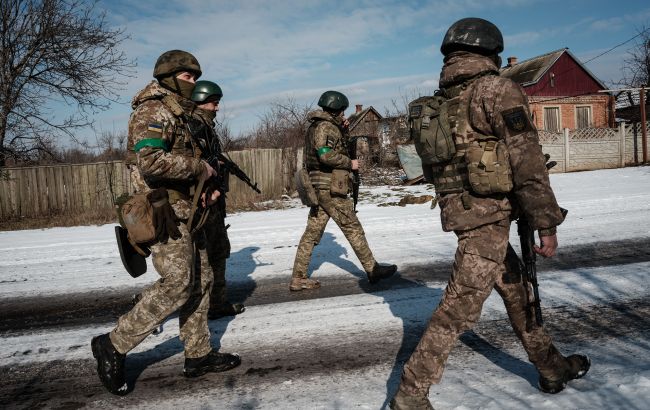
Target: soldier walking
point(213, 243)
point(489, 119)
point(164, 165)
point(329, 165)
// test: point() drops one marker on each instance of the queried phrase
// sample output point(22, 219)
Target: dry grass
point(98, 217)
point(93, 217)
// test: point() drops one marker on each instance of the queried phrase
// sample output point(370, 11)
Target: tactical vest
point(481, 163)
point(320, 174)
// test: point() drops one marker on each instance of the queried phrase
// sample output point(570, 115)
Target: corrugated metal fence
point(68, 189)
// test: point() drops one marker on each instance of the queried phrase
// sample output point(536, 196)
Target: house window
point(583, 117)
point(552, 119)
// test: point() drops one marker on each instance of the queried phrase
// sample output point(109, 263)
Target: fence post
point(621, 134)
point(565, 131)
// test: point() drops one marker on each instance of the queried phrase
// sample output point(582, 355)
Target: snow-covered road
point(341, 347)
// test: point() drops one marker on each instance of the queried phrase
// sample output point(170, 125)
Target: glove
point(164, 218)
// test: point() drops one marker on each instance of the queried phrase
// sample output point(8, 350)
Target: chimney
point(512, 61)
point(359, 107)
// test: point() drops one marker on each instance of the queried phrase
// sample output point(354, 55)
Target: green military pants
point(340, 209)
point(176, 289)
point(478, 268)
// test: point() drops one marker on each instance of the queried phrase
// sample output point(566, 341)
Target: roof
point(529, 72)
point(356, 118)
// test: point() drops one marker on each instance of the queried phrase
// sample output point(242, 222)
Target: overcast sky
point(374, 51)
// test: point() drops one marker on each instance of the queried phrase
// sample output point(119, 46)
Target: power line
point(617, 46)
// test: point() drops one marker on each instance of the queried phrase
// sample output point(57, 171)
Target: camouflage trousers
point(215, 249)
point(340, 209)
point(179, 288)
point(479, 267)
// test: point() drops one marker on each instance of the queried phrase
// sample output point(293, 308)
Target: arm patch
point(154, 130)
point(517, 120)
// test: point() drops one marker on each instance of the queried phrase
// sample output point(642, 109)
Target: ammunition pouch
point(137, 218)
point(488, 166)
point(306, 190)
point(340, 182)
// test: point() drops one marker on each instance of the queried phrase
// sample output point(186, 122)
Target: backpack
point(430, 129)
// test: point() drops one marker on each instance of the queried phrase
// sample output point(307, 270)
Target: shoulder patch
point(155, 127)
point(517, 120)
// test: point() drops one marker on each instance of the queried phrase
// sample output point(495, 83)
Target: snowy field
point(352, 343)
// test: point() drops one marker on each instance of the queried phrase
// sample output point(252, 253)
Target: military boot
point(403, 401)
point(303, 283)
point(577, 366)
point(213, 362)
point(225, 309)
point(110, 365)
point(380, 272)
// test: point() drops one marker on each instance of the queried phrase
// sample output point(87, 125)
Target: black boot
point(225, 309)
point(212, 362)
point(380, 272)
point(110, 365)
point(577, 366)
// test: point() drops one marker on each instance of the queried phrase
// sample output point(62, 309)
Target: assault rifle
point(356, 179)
point(527, 264)
point(211, 153)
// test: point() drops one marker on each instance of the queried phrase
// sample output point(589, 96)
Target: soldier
point(486, 113)
point(165, 166)
point(206, 96)
point(326, 158)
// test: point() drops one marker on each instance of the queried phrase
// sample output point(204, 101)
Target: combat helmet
point(333, 101)
point(206, 91)
point(174, 61)
point(473, 34)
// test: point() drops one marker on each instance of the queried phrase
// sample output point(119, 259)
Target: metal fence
point(68, 189)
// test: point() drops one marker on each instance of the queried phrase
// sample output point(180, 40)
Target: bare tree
point(282, 126)
point(636, 66)
point(54, 52)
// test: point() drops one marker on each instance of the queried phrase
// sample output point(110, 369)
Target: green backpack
point(430, 129)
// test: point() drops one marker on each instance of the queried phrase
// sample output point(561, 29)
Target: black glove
point(164, 218)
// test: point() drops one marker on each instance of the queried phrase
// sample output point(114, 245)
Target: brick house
point(562, 92)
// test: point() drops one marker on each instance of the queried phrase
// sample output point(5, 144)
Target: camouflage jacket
point(161, 145)
point(499, 107)
point(325, 148)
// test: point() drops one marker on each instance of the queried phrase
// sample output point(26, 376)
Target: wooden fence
point(69, 189)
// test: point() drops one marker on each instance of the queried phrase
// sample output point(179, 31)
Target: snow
point(604, 206)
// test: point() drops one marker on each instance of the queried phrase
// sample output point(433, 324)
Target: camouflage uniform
point(167, 161)
point(482, 224)
point(325, 131)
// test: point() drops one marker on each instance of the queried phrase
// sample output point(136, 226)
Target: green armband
point(323, 150)
point(151, 142)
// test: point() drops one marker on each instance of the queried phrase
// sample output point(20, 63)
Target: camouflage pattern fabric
point(482, 224)
point(478, 268)
point(216, 247)
point(341, 211)
point(176, 289)
point(325, 132)
point(492, 98)
point(170, 165)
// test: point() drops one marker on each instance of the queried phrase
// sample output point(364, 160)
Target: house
point(562, 92)
point(365, 124)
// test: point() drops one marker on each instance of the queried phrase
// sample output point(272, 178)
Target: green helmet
point(474, 35)
point(174, 61)
point(206, 91)
point(334, 101)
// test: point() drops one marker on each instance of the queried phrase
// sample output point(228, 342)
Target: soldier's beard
point(178, 86)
